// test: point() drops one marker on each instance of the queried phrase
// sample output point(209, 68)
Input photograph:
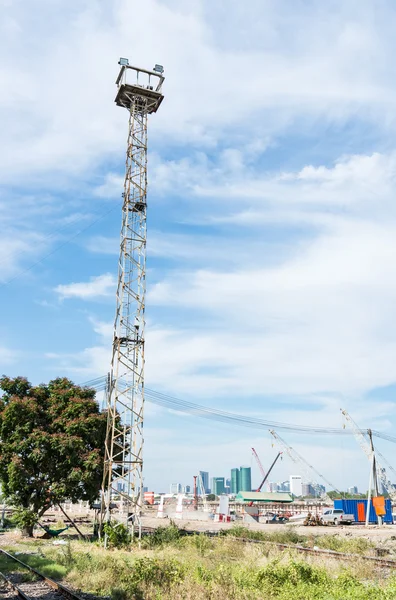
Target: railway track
point(381, 562)
point(42, 587)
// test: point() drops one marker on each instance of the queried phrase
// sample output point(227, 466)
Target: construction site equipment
point(203, 493)
point(308, 470)
point(263, 473)
point(266, 475)
point(139, 91)
point(377, 471)
point(195, 493)
point(312, 520)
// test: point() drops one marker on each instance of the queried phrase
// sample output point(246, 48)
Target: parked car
point(336, 516)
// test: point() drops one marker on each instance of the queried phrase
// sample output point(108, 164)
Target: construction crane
point(203, 492)
point(260, 466)
point(263, 473)
point(368, 448)
point(304, 466)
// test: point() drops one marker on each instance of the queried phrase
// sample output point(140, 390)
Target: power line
point(214, 414)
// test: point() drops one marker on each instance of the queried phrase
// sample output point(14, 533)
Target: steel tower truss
point(123, 471)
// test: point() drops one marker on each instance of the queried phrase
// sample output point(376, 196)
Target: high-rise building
point(218, 486)
point(353, 490)
point(175, 488)
point(245, 479)
point(235, 488)
point(145, 489)
point(187, 489)
point(307, 489)
point(273, 486)
point(283, 486)
point(296, 485)
point(205, 480)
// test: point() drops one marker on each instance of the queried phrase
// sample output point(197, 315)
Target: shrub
point(118, 535)
point(201, 542)
point(162, 536)
point(287, 536)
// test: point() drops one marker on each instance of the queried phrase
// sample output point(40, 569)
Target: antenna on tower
point(139, 91)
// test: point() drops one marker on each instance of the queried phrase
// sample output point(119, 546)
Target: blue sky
point(272, 221)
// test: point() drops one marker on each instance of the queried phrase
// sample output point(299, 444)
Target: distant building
point(245, 478)
point(241, 480)
point(145, 489)
point(175, 488)
point(284, 486)
point(187, 489)
point(205, 480)
point(353, 490)
point(235, 481)
point(273, 486)
point(218, 486)
point(296, 485)
point(228, 483)
point(308, 489)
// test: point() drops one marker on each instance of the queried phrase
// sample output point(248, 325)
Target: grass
point(170, 565)
point(289, 536)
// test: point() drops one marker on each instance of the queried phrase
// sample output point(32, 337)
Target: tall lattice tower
point(139, 91)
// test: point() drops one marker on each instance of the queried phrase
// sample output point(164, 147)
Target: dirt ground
point(372, 532)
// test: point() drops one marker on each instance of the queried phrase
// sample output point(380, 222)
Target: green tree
point(51, 445)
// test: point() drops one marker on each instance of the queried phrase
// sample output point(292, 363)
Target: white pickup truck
point(336, 516)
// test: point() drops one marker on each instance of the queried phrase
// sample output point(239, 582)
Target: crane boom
point(304, 466)
point(263, 473)
point(366, 447)
point(268, 472)
point(358, 433)
point(260, 466)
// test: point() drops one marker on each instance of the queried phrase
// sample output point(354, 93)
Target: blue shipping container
point(351, 507)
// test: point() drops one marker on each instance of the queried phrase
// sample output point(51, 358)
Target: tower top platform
point(135, 83)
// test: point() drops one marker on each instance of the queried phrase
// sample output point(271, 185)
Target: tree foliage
point(51, 445)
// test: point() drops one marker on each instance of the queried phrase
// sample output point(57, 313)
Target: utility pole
point(139, 91)
point(373, 478)
point(195, 493)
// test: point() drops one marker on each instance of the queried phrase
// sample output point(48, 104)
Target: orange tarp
point(379, 505)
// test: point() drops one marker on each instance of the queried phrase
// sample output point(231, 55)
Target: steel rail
point(16, 589)
point(388, 563)
point(53, 584)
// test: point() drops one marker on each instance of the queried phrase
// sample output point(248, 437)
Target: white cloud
point(320, 321)
point(103, 329)
point(8, 356)
point(69, 121)
point(18, 252)
point(96, 287)
point(111, 187)
point(235, 312)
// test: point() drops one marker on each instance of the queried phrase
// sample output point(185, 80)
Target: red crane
point(263, 473)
